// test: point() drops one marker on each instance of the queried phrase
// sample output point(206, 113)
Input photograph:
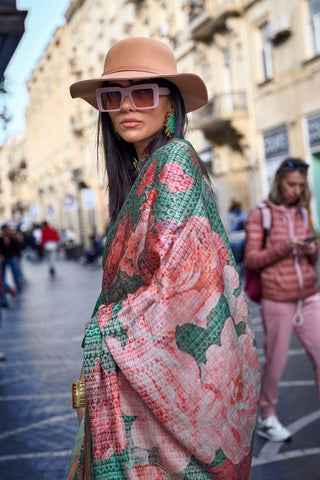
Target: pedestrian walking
point(9, 253)
point(2, 354)
point(290, 299)
point(170, 380)
point(49, 245)
point(37, 234)
point(20, 243)
point(236, 231)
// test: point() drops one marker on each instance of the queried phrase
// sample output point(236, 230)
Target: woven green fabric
point(171, 367)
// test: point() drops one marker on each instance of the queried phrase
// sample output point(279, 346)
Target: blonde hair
point(289, 165)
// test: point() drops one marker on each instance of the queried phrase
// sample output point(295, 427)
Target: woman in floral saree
point(170, 364)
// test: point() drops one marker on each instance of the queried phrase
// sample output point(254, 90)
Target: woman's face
point(140, 126)
point(292, 186)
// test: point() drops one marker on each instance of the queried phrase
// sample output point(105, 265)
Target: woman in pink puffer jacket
point(290, 298)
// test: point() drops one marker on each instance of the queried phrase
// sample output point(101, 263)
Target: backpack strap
point(305, 216)
point(266, 219)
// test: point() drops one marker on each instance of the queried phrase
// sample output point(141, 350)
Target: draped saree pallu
point(171, 366)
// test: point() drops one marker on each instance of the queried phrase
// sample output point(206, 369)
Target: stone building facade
point(285, 85)
point(260, 60)
point(14, 191)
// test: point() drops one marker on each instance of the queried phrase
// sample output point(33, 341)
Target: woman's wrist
point(78, 394)
point(290, 244)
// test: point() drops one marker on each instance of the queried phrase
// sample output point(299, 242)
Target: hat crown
point(140, 54)
point(141, 58)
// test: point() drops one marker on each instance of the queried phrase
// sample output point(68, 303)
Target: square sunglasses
point(142, 97)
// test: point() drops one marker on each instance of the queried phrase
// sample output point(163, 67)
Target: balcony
point(223, 119)
point(201, 25)
point(19, 173)
point(204, 25)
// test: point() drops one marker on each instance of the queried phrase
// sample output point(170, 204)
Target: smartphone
point(309, 239)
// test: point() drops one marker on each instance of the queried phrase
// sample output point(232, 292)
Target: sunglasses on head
point(142, 97)
point(293, 164)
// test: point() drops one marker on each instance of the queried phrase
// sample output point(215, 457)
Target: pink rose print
point(231, 471)
point(232, 370)
point(239, 308)
point(147, 178)
point(116, 252)
point(231, 278)
point(223, 251)
point(127, 244)
point(189, 278)
point(174, 177)
point(175, 412)
point(151, 198)
point(184, 264)
point(104, 315)
point(136, 241)
point(238, 305)
point(107, 426)
point(145, 472)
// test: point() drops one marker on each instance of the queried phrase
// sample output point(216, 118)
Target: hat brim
point(192, 88)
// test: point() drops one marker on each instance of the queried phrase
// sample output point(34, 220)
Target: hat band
point(137, 69)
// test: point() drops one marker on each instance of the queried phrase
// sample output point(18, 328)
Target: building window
point(266, 51)
point(314, 15)
point(276, 143)
point(314, 131)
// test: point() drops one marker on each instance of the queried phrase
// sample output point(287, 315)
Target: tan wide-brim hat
point(143, 58)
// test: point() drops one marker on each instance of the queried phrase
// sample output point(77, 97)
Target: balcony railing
point(223, 120)
point(204, 24)
point(222, 106)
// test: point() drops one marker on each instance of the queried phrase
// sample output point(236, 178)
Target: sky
point(44, 16)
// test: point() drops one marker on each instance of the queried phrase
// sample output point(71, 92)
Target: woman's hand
point(299, 243)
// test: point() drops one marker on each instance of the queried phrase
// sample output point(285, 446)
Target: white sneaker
point(271, 429)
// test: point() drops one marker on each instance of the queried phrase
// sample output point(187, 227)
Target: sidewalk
point(299, 410)
point(41, 335)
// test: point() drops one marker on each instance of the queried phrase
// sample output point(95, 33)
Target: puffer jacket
point(285, 276)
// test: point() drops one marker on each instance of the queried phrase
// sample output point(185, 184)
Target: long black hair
point(119, 154)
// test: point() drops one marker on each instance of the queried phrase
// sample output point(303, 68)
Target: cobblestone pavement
point(41, 335)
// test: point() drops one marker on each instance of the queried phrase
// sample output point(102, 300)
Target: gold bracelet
point(78, 394)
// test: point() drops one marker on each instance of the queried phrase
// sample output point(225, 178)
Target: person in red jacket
point(49, 245)
point(290, 299)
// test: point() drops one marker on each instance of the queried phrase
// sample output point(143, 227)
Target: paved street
point(299, 410)
point(41, 335)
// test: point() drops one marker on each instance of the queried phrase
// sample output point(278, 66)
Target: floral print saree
point(171, 366)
